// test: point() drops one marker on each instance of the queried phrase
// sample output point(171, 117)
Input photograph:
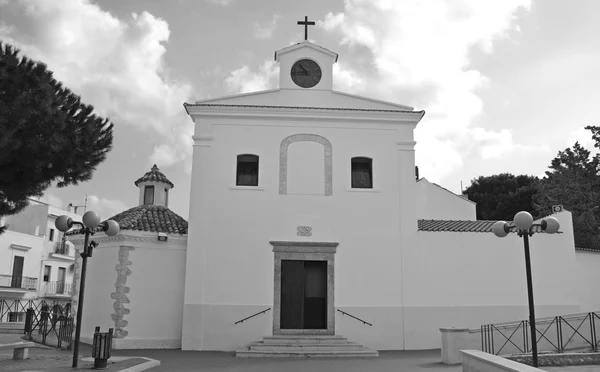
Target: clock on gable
point(306, 73)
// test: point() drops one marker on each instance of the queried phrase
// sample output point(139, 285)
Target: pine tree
point(46, 133)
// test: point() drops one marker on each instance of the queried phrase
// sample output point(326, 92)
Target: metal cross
point(306, 23)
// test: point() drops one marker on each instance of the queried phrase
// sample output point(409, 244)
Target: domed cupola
point(154, 188)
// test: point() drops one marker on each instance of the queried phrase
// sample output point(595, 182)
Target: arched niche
point(283, 160)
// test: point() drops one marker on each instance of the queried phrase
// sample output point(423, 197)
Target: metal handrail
point(252, 316)
point(352, 316)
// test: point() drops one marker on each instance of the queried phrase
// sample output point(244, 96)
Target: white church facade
point(307, 220)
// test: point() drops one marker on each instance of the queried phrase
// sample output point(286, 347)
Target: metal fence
point(51, 325)
point(558, 334)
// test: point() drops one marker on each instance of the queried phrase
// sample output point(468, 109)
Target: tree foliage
point(501, 196)
point(46, 133)
point(573, 182)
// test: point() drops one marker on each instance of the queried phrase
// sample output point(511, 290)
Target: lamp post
point(523, 225)
point(91, 221)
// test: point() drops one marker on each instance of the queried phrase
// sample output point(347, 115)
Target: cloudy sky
point(505, 84)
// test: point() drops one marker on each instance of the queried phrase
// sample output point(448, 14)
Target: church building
point(307, 220)
point(310, 226)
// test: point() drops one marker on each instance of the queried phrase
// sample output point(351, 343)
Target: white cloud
point(220, 2)
point(243, 80)
point(583, 136)
point(265, 31)
point(106, 208)
point(419, 53)
point(115, 65)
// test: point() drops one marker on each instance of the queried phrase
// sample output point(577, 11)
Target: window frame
point(146, 188)
point(256, 161)
point(363, 159)
point(44, 279)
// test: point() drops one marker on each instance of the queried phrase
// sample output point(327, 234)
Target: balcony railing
point(61, 248)
point(58, 288)
point(18, 282)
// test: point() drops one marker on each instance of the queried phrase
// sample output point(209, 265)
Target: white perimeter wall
point(465, 280)
point(588, 279)
point(437, 203)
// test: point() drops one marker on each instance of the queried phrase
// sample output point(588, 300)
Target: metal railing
point(61, 248)
point(555, 334)
point(18, 282)
point(352, 316)
point(58, 288)
point(14, 306)
point(51, 325)
point(252, 316)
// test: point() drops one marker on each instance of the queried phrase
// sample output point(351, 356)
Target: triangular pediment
point(306, 98)
point(305, 44)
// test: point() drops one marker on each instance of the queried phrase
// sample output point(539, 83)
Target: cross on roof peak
point(306, 23)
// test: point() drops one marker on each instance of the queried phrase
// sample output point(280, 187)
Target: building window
point(16, 317)
point(247, 170)
point(51, 235)
point(47, 270)
point(166, 197)
point(149, 195)
point(362, 173)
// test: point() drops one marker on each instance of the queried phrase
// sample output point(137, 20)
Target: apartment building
point(36, 261)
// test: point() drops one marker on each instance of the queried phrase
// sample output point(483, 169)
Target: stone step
point(304, 339)
point(365, 353)
point(301, 347)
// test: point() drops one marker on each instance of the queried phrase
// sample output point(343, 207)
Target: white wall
point(230, 260)
point(588, 278)
point(465, 280)
point(436, 203)
point(31, 256)
point(155, 282)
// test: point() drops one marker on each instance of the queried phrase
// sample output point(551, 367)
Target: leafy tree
point(46, 133)
point(501, 196)
point(573, 182)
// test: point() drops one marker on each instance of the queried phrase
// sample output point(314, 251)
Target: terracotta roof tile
point(154, 175)
point(482, 226)
point(150, 218)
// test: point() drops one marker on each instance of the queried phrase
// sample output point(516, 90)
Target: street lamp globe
point(63, 223)
point(550, 225)
point(500, 229)
point(111, 228)
point(91, 219)
point(523, 220)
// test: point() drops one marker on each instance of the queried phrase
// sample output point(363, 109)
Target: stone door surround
point(304, 251)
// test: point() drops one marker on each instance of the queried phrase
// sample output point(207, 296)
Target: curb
point(150, 363)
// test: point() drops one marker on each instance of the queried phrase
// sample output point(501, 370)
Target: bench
point(21, 349)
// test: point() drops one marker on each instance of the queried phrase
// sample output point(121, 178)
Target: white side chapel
point(307, 220)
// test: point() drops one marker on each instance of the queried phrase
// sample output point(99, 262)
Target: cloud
point(419, 53)
point(106, 208)
point(220, 2)
point(113, 64)
point(243, 80)
point(265, 31)
point(584, 137)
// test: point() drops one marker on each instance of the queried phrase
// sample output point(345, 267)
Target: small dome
point(154, 175)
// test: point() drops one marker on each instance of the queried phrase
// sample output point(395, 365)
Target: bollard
point(101, 348)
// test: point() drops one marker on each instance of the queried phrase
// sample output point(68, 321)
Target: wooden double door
point(303, 294)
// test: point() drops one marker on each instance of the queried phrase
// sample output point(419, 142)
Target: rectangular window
point(167, 198)
point(362, 173)
point(149, 195)
point(47, 270)
point(247, 170)
point(51, 235)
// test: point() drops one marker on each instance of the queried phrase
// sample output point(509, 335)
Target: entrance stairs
point(305, 346)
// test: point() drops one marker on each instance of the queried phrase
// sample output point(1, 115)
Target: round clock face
point(306, 73)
